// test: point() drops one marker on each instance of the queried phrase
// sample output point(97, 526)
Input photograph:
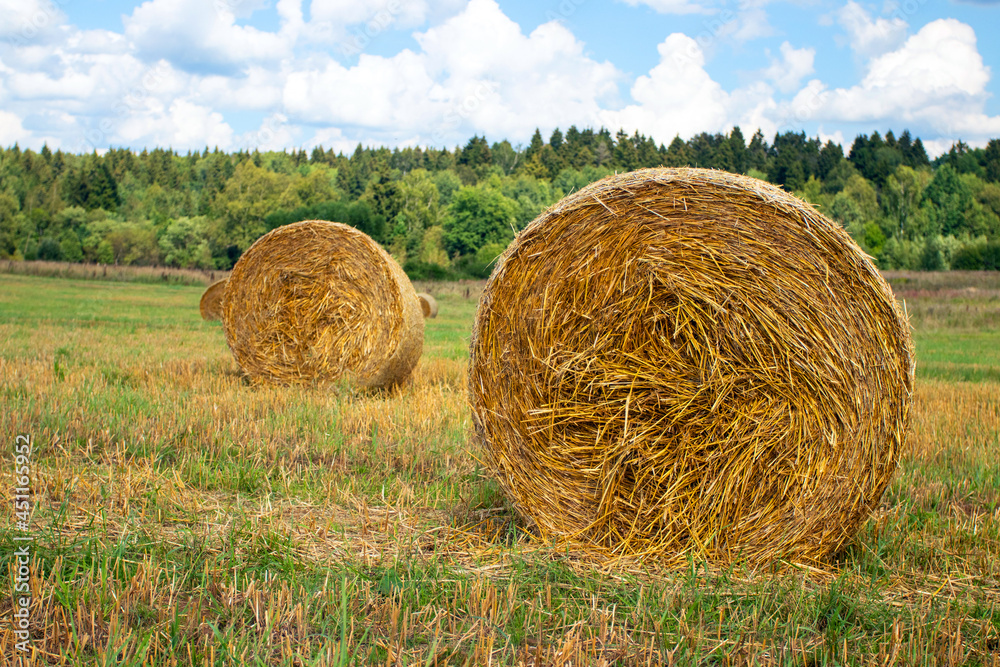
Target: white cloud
point(938, 68)
point(274, 134)
point(11, 130)
point(351, 25)
point(870, 37)
point(181, 125)
point(541, 79)
point(673, 6)
point(407, 13)
point(747, 24)
point(25, 20)
point(259, 89)
point(475, 72)
point(201, 37)
point(794, 64)
point(935, 84)
point(376, 92)
point(240, 9)
point(677, 96)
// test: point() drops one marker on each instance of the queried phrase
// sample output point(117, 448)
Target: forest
point(447, 214)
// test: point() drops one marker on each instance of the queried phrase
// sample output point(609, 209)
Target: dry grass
point(687, 362)
point(115, 273)
point(317, 302)
point(185, 516)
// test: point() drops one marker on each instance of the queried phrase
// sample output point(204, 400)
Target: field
point(183, 515)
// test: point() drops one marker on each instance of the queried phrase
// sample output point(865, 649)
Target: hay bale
point(685, 361)
point(318, 301)
point(428, 305)
point(211, 301)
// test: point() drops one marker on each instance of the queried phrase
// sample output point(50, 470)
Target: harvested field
point(183, 514)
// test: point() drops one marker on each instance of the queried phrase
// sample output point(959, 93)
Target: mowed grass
point(183, 515)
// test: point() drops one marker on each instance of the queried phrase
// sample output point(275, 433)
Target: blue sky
point(273, 74)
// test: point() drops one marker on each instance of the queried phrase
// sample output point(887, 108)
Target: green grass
point(184, 515)
point(959, 356)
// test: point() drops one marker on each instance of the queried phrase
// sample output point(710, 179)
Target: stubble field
point(182, 515)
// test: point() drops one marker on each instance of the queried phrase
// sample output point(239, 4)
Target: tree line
point(448, 213)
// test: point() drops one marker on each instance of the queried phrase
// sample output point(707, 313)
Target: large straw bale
point(211, 300)
point(678, 362)
point(428, 305)
point(318, 301)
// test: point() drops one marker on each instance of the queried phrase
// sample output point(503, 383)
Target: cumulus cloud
point(182, 124)
point(788, 71)
point(750, 22)
point(475, 72)
point(351, 25)
point(11, 130)
point(384, 12)
point(677, 96)
point(201, 36)
point(258, 89)
point(935, 84)
point(183, 70)
point(25, 20)
point(274, 134)
point(938, 70)
point(870, 37)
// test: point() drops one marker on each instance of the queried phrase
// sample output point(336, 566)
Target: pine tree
point(991, 158)
point(535, 146)
point(738, 148)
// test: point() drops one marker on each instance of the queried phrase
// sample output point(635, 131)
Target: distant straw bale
point(319, 301)
point(678, 362)
point(211, 300)
point(428, 305)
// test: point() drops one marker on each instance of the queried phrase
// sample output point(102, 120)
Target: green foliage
point(838, 176)
point(49, 249)
point(432, 247)
point(931, 258)
point(242, 206)
point(479, 216)
point(70, 248)
point(356, 214)
point(951, 200)
point(420, 270)
point(184, 243)
point(480, 265)
point(440, 207)
point(969, 257)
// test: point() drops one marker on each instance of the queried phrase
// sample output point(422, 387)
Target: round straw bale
point(428, 305)
point(211, 300)
point(318, 301)
point(677, 362)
